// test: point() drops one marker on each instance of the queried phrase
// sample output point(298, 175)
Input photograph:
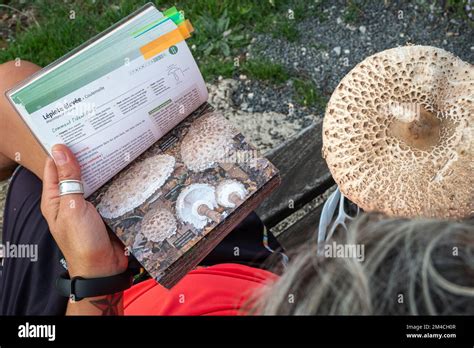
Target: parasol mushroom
point(158, 225)
point(209, 142)
point(230, 193)
point(196, 204)
point(135, 185)
point(398, 133)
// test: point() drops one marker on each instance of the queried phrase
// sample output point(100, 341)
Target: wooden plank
point(303, 172)
point(302, 231)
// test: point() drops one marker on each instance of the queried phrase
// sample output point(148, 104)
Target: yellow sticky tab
point(182, 32)
point(186, 28)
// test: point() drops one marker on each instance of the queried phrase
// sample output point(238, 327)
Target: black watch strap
point(78, 288)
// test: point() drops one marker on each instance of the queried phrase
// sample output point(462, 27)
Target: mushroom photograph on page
point(173, 203)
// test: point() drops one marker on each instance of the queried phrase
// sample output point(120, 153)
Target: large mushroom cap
point(208, 141)
point(398, 133)
point(135, 185)
point(158, 225)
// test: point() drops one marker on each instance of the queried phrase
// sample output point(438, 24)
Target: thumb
point(68, 169)
point(66, 163)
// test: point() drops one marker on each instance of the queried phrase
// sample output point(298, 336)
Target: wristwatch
point(78, 288)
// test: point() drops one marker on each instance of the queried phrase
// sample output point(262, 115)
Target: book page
point(116, 97)
point(181, 190)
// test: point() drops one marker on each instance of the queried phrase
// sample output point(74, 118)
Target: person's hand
point(90, 251)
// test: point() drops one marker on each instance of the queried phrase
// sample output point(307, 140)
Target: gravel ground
point(328, 49)
point(264, 129)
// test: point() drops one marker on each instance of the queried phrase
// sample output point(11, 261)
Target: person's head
point(410, 266)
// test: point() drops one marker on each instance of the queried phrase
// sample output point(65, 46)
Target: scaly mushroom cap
point(190, 199)
point(398, 133)
point(228, 187)
point(135, 185)
point(208, 141)
point(158, 225)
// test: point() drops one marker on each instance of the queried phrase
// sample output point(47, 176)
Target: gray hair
point(411, 266)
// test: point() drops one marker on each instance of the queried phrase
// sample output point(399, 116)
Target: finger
point(66, 163)
point(68, 169)
point(50, 195)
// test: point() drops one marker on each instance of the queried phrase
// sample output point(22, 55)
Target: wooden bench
point(305, 176)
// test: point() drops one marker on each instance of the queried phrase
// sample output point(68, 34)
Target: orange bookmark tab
point(182, 32)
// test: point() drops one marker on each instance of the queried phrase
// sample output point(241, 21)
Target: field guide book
point(170, 176)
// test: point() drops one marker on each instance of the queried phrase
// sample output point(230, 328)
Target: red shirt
point(216, 290)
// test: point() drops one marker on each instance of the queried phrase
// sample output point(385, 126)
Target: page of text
point(110, 102)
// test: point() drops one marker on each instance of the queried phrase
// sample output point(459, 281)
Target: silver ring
point(67, 187)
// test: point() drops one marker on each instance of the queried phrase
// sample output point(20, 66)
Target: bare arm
point(102, 305)
point(17, 143)
point(90, 251)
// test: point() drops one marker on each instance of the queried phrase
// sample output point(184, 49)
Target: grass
point(224, 68)
point(286, 29)
point(353, 11)
point(56, 33)
point(308, 94)
point(458, 8)
point(265, 70)
point(283, 23)
point(222, 27)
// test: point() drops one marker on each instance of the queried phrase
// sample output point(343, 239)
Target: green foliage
point(216, 37)
point(459, 8)
point(281, 24)
point(56, 33)
point(353, 11)
point(222, 27)
point(265, 70)
point(307, 94)
point(287, 29)
point(212, 68)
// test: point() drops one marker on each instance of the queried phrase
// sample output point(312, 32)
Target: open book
point(169, 176)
